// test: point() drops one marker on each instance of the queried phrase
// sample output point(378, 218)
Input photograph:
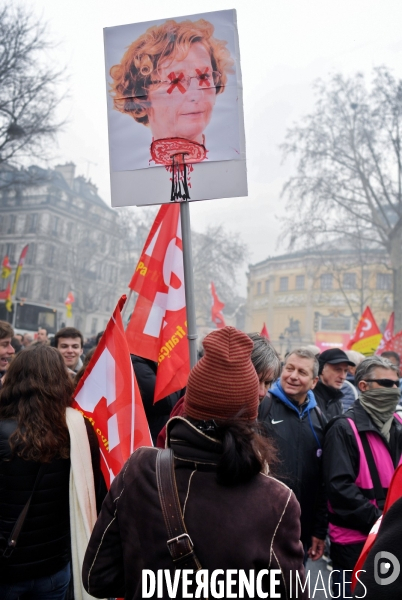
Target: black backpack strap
point(13, 538)
point(378, 489)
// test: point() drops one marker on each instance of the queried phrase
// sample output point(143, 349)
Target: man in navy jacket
point(291, 417)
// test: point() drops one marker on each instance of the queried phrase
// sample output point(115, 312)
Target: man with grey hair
point(396, 360)
point(292, 419)
point(27, 340)
point(361, 451)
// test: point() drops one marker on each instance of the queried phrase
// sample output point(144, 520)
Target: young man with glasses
point(361, 451)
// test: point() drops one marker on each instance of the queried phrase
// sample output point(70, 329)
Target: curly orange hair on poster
point(140, 63)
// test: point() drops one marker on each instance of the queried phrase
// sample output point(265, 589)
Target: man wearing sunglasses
point(361, 451)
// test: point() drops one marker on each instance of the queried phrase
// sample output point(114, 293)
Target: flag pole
point(123, 312)
point(189, 281)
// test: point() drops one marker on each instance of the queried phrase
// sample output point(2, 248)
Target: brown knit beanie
point(223, 384)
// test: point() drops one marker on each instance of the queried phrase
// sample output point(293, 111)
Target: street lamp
point(281, 340)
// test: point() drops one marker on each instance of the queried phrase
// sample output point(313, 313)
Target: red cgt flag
point(387, 335)
point(216, 309)
point(70, 298)
point(69, 304)
point(264, 332)
point(367, 335)
point(394, 344)
point(6, 268)
point(394, 493)
point(18, 270)
point(158, 326)
point(4, 294)
point(109, 397)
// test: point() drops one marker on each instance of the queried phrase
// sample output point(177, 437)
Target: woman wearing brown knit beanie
point(237, 516)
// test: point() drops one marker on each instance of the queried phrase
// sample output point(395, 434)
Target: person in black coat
point(236, 515)
point(157, 414)
point(361, 451)
point(379, 580)
point(35, 457)
point(334, 365)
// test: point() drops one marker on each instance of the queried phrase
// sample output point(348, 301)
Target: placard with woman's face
point(174, 87)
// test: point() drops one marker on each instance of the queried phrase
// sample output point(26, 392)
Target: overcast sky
point(284, 44)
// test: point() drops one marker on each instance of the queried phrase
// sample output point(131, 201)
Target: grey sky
point(285, 45)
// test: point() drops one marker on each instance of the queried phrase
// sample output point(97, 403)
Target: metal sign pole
point(189, 281)
point(123, 312)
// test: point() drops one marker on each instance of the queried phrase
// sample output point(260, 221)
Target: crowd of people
point(264, 463)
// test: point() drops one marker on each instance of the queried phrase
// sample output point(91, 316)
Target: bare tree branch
point(28, 87)
point(218, 256)
point(349, 171)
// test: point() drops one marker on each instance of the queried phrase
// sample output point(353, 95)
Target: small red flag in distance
point(387, 335)
point(367, 335)
point(264, 332)
point(216, 309)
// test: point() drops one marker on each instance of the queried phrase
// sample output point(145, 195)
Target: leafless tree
point(28, 87)
point(217, 256)
point(350, 261)
point(134, 225)
point(93, 269)
point(349, 174)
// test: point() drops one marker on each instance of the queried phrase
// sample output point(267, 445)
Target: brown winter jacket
point(249, 526)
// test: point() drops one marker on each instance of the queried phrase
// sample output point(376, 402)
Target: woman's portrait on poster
point(171, 81)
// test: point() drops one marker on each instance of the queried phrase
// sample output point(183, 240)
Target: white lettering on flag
point(113, 432)
point(100, 383)
point(175, 298)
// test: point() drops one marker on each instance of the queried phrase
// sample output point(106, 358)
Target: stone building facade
point(74, 243)
point(317, 296)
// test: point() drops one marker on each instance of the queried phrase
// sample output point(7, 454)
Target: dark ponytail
point(246, 452)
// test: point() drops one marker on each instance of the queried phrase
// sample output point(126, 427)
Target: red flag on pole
point(387, 335)
point(21, 263)
point(4, 294)
point(109, 397)
point(158, 326)
point(367, 335)
point(6, 268)
point(394, 493)
point(69, 304)
point(9, 302)
point(264, 332)
point(216, 309)
point(394, 344)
